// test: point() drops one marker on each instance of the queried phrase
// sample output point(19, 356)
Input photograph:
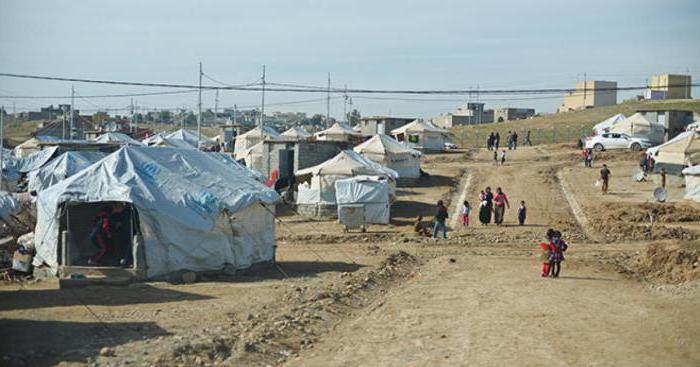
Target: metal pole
point(72, 103)
point(345, 105)
point(216, 106)
point(199, 108)
point(234, 113)
point(328, 101)
point(2, 142)
point(262, 105)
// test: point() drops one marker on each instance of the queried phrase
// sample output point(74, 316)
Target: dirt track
point(490, 304)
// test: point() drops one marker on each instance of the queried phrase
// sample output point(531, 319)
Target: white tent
point(692, 183)
point(388, 152)
point(422, 135)
point(190, 137)
point(151, 140)
point(296, 133)
point(605, 125)
point(60, 168)
point(194, 211)
point(36, 160)
point(117, 138)
point(338, 132)
point(32, 145)
point(252, 137)
point(161, 141)
point(638, 126)
point(677, 153)
point(346, 164)
point(372, 192)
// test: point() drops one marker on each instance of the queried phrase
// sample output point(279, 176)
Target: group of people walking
point(496, 204)
point(494, 139)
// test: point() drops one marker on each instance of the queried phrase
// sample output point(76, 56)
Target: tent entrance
point(99, 234)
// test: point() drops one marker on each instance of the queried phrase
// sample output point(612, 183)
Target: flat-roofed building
point(669, 86)
point(590, 94)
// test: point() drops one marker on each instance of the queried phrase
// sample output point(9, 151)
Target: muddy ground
point(628, 294)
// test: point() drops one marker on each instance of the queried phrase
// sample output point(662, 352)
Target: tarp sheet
point(117, 138)
point(36, 160)
point(195, 211)
point(371, 192)
point(8, 205)
point(60, 168)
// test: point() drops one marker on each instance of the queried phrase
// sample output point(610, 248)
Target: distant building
point(590, 94)
point(47, 113)
point(381, 124)
point(468, 114)
point(510, 114)
point(675, 121)
point(669, 86)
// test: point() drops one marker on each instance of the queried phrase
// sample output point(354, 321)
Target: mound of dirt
point(648, 212)
point(660, 262)
point(618, 231)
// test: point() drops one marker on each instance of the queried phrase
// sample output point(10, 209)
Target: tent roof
point(338, 129)
point(297, 132)
point(188, 136)
point(637, 120)
point(680, 139)
point(36, 160)
point(383, 144)
point(65, 165)
point(117, 138)
point(610, 121)
point(694, 170)
point(258, 131)
point(349, 163)
point(418, 126)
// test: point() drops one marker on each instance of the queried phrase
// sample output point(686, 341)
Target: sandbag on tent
point(60, 168)
point(194, 211)
point(608, 123)
point(117, 138)
point(692, 183)
point(388, 152)
point(36, 160)
point(638, 126)
point(338, 132)
point(422, 135)
point(250, 138)
point(372, 192)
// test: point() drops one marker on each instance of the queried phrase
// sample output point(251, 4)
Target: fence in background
point(553, 135)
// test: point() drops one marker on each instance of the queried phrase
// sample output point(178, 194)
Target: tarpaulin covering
point(371, 192)
point(117, 138)
point(36, 160)
point(8, 205)
point(195, 211)
point(60, 168)
point(692, 183)
point(388, 152)
point(606, 124)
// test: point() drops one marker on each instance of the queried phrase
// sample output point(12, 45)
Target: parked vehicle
point(450, 146)
point(607, 141)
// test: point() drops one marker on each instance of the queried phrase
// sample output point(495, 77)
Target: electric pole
point(345, 106)
point(328, 102)
point(2, 141)
point(234, 113)
point(216, 107)
point(262, 105)
point(72, 103)
point(131, 124)
point(199, 108)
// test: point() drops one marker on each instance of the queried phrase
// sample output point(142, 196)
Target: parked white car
point(450, 146)
point(607, 141)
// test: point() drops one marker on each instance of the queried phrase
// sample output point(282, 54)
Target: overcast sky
point(365, 44)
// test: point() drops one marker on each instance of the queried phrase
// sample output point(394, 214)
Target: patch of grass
point(562, 127)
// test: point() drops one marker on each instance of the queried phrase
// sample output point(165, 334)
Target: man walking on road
point(440, 219)
point(527, 139)
point(605, 178)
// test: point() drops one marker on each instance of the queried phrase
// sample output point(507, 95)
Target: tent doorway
point(98, 234)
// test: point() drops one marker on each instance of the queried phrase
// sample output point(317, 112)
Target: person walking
point(643, 162)
point(101, 234)
point(527, 139)
point(495, 157)
point(485, 206)
point(440, 219)
point(503, 157)
point(662, 176)
point(589, 158)
point(490, 140)
point(466, 209)
point(605, 178)
point(496, 140)
point(509, 140)
point(501, 202)
point(522, 213)
point(515, 140)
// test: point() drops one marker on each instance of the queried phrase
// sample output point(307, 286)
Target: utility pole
point(262, 104)
point(131, 123)
point(199, 108)
point(216, 107)
point(328, 102)
point(345, 105)
point(234, 113)
point(584, 89)
point(2, 141)
point(72, 103)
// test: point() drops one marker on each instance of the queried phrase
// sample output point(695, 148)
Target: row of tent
point(636, 125)
point(418, 134)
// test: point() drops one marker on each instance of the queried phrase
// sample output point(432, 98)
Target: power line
point(102, 95)
point(335, 90)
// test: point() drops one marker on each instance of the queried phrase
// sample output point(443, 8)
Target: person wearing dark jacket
point(440, 220)
point(101, 234)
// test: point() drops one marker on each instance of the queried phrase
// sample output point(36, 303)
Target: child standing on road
point(466, 209)
point(503, 157)
point(522, 213)
point(557, 248)
point(546, 249)
point(495, 157)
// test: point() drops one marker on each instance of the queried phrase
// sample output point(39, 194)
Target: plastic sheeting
point(606, 124)
point(8, 206)
point(692, 183)
point(374, 193)
point(638, 126)
point(388, 152)
point(117, 138)
point(36, 160)
point(195, 211)
point(60, 168)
